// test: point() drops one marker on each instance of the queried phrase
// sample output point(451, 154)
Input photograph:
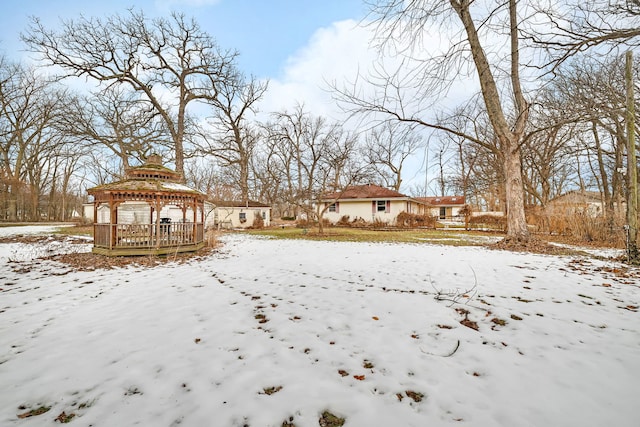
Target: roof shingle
point(367, 191)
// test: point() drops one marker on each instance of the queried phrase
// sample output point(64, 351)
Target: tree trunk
point(632, 174)
point(510, 136)
point(517, 229)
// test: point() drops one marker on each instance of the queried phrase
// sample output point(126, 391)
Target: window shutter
point(373, 206)
point(337, 207)
point(387, 208)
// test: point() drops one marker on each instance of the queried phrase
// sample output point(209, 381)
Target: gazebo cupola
point(149, 212)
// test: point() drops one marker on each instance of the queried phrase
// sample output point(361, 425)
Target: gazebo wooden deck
point(153, 195)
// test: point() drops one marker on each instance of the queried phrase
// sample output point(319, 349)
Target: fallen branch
point(444, 355)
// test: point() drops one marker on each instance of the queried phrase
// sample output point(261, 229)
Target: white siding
point(363, 209)
point(229, 217)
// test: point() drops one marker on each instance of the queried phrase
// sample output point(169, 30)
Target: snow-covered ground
point(267, 331)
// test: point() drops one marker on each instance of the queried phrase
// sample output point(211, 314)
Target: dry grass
point(369, 234)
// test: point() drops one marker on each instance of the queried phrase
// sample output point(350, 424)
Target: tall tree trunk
point(632, 173)
point(510, 137)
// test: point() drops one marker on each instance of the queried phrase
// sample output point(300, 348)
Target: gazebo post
point(95, 219)
point(113, 222)
point(158, 209)
point(151, 210)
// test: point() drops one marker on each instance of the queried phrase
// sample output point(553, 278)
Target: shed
point(148, 213)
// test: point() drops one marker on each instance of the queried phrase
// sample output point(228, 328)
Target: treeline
point(119, 88)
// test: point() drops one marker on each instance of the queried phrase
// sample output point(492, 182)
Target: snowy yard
point(276, 332)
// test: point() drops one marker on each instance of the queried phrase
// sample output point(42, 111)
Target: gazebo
point(147, 213)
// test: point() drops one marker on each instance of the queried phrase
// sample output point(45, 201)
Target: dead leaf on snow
point(470, 324)
point(271, 390)
point(65, 418)
point(416, 396)
point(34, 412)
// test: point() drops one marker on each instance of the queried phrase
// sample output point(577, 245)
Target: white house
point(444, 207)
point(588, 202)
point(371, 203)
point(235, 214)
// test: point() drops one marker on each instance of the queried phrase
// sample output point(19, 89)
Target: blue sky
point(265, 32)
point(300, 46)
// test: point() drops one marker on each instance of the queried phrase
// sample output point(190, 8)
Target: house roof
point(443, 200)
point(577, 196)
point(238, 204)
point(367, 191)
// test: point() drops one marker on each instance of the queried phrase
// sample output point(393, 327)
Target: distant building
point(374, 203)
point(444, 207)
point(586, 202)
point(237, 214)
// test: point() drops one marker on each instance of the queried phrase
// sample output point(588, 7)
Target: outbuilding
point(148, 213)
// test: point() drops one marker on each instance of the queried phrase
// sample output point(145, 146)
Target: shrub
point(489, 221)
point(578, 224)
point(344, 220)
point(467, 212)
point(304, 223)
point(409, 220)
point(378, 223)
point(358, 222)
point(211, 238)
point(258, 222)
point(593, 229)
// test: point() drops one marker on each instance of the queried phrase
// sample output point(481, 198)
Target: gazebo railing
point(147, 235)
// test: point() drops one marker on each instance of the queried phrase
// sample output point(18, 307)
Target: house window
point(243, 217)
point(381, 206)
point(443, 213)
point(264, 215)
point(332, 207)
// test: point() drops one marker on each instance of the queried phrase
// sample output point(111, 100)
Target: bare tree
point(401, 25)
point(232, 139)
point(118, 121)
point(290, 145)
point(571, 27)
point(387, 148)
point(593, 92)
point(169, 62)
point(338, 169)
point(314, 157)
point(29, 106)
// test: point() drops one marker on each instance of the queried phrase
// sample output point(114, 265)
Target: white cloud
point(341, 52)
point(333, 54)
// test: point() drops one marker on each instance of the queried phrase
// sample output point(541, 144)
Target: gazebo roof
point(151, 178)
point(144, 185)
